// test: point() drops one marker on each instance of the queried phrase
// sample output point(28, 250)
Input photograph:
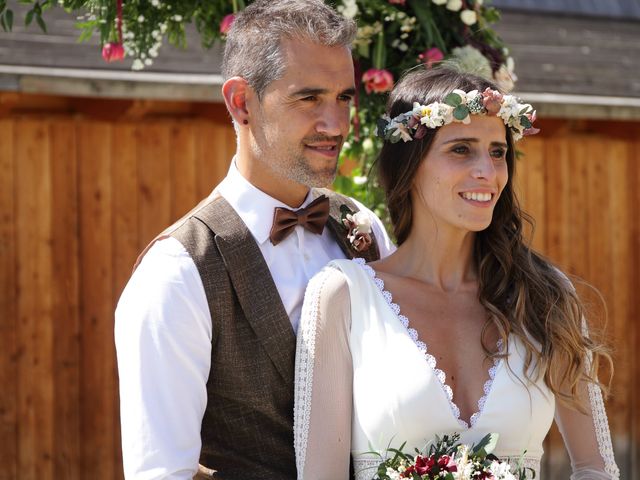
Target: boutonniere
point(358, 225)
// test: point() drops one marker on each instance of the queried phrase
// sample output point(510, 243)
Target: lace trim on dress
point(431, 360)
point(603, 434)
point(601, 422)
point(304, 368)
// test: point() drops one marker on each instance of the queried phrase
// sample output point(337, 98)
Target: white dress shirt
point(163, 332)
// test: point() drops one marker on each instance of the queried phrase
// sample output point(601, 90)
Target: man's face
point(302, 120)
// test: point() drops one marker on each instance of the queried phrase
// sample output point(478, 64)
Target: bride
point(464, 328)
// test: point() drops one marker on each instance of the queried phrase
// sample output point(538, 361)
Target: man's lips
point(326, 149)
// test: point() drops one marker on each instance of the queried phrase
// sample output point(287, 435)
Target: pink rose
point(431, 56)
point(491, 99)
point(225, 24)
point(377, 80)
point(397, 2)
point(112, 52)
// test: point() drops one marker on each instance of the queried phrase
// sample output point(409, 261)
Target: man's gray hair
point(253, 48)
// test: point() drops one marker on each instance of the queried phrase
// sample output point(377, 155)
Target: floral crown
point(456, 107)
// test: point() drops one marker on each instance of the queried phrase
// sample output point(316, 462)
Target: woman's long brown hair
point(523, 293)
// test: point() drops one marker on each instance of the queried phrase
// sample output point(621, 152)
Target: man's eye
point(309, 98)
point(345, 98)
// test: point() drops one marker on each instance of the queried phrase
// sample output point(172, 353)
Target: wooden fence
point(79, 198)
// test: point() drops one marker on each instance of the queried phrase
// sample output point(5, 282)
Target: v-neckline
point(430, 359)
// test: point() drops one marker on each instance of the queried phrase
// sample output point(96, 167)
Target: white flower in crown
point(432, 115)
point(509, 109)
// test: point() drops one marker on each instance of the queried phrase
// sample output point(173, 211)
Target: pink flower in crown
point(397, 2)
point(531, 130)
point(225, 24)
point(492, 100)
point(377, 80)
point(431, 56)
point(112, 52)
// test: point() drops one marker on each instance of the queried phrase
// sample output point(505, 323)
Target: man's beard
point(292, 164)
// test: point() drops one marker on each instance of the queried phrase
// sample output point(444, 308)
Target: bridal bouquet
point(447, 459)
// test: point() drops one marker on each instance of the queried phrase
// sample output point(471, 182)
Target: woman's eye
point(498, 153)
point(460, 149)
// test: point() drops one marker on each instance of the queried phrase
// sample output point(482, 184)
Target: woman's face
point(463, 174)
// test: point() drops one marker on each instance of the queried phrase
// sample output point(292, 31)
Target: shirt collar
point(255, 208)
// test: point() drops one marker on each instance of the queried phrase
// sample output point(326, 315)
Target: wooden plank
point(215, 147)
point(620, 299)
point(124, 185)
point(184, 175)
point(98, 390)
point(124, 178)
point(557, 212)
point(154, 176)
point(66, 300)
point(8, 307)
point(634, 286)
point(35, 305)
point(532, 166)
point(577, 225)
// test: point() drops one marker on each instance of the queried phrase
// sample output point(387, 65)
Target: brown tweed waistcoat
point(247, 429)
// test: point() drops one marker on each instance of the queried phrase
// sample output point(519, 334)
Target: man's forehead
point(317, 67)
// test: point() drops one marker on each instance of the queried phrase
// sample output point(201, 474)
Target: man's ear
point(235, 92)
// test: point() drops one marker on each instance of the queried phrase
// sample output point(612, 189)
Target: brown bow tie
point(313, 217)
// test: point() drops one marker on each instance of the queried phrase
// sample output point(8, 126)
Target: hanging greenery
point(393, 36)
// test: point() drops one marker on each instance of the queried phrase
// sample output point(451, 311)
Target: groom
point(205, 329)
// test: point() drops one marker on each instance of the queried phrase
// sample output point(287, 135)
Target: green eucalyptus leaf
point(3, 5)
point(86, 34)
point(41, 23)
point(525, 122)
point(453, 99)
point(487, 444)
point(28, 18)
point(3, 23)
point(461, 112)
point(9, 18)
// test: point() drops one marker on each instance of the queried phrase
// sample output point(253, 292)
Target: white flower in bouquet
point(348, 9)
point(468, 17)
point(454, 5)
point(501, 471)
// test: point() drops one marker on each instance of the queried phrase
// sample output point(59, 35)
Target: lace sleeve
point(587, 436)
point(323, 380)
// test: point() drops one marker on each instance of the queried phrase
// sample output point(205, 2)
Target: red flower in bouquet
point(113, 52)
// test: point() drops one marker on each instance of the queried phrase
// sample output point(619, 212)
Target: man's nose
point(333, 120)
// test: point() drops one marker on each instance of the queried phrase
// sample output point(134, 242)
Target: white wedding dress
point(365, 382)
